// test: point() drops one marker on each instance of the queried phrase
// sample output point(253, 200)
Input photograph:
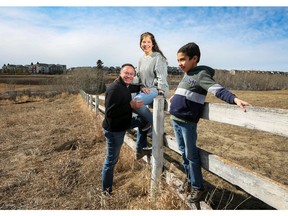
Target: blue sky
point(250, 38)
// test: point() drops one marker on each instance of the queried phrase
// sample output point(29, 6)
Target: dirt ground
point(52, 151)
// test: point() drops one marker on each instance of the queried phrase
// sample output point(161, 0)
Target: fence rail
point(274, 121)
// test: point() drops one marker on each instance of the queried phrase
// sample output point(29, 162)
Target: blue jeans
point(114, 141)
point(186, 137)
point(147, 99)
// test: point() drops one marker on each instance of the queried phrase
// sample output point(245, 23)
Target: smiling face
point(127, 74)
point(185, 63)
point(147, 45)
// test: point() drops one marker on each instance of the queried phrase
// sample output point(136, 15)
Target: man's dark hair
point(191, 49)
point(127, 64)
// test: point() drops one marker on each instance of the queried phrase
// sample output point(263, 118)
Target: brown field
point(52, 150)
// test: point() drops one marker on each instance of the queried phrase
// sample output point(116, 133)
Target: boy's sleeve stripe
point(215, 88)
point(191, 96)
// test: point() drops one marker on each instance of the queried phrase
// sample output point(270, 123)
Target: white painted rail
point(274, 121)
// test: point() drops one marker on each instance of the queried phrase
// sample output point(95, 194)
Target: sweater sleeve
point(208, 83)
point(225, 95)
point(161, 69)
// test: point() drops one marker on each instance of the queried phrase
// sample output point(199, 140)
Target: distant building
point(11, 68)
point(42, 68)
point(38, 68)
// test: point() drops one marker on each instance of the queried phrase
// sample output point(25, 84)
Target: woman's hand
point(145, 90)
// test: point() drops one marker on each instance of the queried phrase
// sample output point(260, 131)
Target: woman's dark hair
point(191, 49)
point(155, 47)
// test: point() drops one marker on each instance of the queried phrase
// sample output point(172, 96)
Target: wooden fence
point(265, 119)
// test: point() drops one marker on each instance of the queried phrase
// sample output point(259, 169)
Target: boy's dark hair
point(191, 49)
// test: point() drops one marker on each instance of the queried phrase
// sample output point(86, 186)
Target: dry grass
point(51, 154)
point(52, 150)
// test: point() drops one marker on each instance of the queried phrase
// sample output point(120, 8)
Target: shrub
point(92, 81)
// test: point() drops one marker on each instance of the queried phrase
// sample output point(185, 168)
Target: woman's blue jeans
point(186, 137)
point(147, 99)
point(114, 141)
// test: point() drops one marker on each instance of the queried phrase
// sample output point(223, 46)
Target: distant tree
point(117, 69)
point(99, 64)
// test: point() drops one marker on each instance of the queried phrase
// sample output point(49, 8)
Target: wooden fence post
point(96, 103)
point(90, 101)
point(157, 145)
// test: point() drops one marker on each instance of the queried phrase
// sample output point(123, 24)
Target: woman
point(152, 75)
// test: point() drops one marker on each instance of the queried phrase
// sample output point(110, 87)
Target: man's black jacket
point(118, 112)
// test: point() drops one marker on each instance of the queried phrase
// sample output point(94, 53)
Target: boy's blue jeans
point(186, 137)
point(114, 141)
point(147, 99)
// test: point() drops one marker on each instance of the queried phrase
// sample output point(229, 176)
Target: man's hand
point(136, 104)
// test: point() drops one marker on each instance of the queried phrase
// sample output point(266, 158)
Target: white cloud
point(79, 36)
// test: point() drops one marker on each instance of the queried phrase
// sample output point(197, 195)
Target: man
point(118, 118)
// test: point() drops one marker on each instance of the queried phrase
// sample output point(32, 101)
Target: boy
point(186, 107)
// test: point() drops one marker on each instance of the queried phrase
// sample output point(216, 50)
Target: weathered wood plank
point(266, 119)
point(265, 189)
point(101, 108)
point(101, 97)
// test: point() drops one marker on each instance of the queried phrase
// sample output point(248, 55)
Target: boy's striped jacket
point(188, 101)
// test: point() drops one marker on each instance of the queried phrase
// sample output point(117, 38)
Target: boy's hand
point(136, 104)
point(242, 104)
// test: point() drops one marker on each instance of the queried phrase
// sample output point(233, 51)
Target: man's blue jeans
point(147, 99)
point(114, 141)
point(186, 137)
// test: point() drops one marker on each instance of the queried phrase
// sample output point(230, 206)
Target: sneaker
point(147, 127)
point(106, 194)
point(195, 195)
point(145, 151)
point(139, 155)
